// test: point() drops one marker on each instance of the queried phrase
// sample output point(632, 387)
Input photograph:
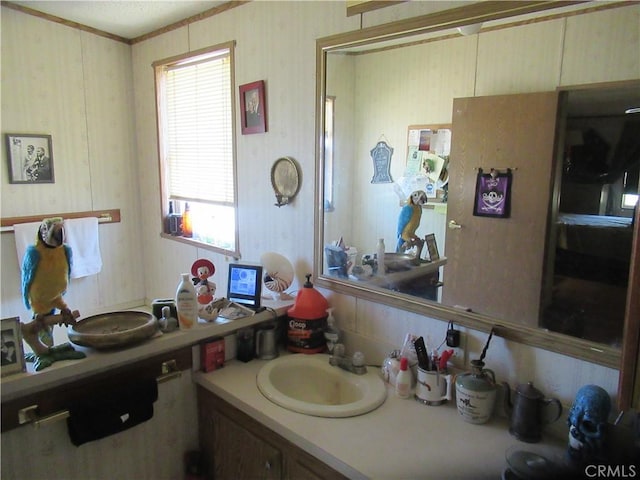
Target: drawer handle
point(169, 371)
point(30, 415)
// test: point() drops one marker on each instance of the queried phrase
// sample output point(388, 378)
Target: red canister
point(307, 321)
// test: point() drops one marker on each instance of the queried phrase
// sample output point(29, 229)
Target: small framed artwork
point(493, 194)
point(432, 247)
point(253, 109)
point(30, 158)
point(12, 354)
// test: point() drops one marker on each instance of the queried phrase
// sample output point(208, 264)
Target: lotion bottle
point(186, 303)
point(403, 380)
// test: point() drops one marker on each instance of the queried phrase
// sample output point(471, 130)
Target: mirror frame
point(536, 337)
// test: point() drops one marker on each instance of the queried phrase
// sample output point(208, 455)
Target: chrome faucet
point(355, 364)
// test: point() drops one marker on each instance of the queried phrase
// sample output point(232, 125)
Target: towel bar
point(104, 216)
point(30, 415)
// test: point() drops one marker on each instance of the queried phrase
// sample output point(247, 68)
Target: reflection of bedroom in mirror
point(593, 230)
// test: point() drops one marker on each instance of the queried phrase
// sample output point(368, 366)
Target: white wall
point(96, 98)
point(76, 87)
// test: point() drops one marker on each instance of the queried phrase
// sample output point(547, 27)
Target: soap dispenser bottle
point(331, 333)
point(403, 380)
point(186, 303)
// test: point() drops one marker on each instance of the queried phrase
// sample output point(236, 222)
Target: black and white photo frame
point(30, 158)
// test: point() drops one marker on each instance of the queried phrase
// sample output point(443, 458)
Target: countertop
point(97, 361)
point(402, 439)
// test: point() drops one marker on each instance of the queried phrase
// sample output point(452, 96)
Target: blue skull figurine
point(587, 424)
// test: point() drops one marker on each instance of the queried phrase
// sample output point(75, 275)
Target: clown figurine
point(201, 270)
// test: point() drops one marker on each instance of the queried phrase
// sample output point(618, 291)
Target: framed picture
point(253, 109)
point(30, 158)
point(432, 247)
point(493, 194)
point(12, 354)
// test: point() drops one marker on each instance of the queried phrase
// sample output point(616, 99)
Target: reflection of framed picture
point(432, 247)
point(12, 355)
point(253, 109)
point(30, 158)
point(493, 194)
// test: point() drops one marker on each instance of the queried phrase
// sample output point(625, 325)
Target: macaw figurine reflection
point(46, 267)
point(409, 221)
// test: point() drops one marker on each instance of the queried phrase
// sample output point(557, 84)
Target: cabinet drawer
point(58, 399)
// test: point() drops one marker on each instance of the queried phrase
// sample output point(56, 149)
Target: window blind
point(198, 131)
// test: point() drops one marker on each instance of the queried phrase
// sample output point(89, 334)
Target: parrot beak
point(52, 232)
point(419, 197)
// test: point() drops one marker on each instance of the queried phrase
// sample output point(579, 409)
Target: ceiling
point(126, 19)
point(133, 19)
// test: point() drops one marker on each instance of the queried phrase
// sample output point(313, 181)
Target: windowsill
point(199, 244)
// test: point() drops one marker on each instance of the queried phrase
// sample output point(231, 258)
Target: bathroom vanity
point(244, 434)
point(235, 445)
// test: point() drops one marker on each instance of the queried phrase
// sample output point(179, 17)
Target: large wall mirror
point(418, 105)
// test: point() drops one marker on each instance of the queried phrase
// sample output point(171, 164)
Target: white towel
point(26, 235)
point(82, 236)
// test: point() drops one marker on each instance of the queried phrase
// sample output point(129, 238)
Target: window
point(196, 144)
point(329, 115)
point(629, 200)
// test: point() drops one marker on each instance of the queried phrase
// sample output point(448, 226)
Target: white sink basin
point(308, 384)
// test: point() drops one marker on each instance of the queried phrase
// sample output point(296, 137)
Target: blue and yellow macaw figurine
point(409, 221)
point(46, 267)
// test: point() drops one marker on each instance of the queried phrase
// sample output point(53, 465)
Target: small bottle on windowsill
point(187, 229)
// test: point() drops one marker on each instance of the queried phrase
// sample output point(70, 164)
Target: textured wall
point(77, 87)
point(96, 97)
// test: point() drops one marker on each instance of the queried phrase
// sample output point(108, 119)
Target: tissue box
point(212, 355)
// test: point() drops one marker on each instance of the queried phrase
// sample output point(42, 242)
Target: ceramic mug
point(432, 388)
point(266, 347)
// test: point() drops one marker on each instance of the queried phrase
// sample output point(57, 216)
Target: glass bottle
point(187, 228)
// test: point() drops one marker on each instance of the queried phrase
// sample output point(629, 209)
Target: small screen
point(245, 284)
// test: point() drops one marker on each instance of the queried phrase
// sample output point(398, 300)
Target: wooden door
point(495, 265)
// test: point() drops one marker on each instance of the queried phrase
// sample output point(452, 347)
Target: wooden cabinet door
point(239, 454)
point(302, 466)
point(496, 264)
point(232, 447)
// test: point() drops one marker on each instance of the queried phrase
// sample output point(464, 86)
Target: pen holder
point(432, 387)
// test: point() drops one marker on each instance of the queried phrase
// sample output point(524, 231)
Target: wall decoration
point(432, 247)
point(285, 180)
point(381, 156)
point(12, 354)
point(30, 158)
point(253, 109)
point(428, 150)
point(493, 194)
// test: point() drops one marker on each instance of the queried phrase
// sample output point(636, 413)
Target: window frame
point(162, 161)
